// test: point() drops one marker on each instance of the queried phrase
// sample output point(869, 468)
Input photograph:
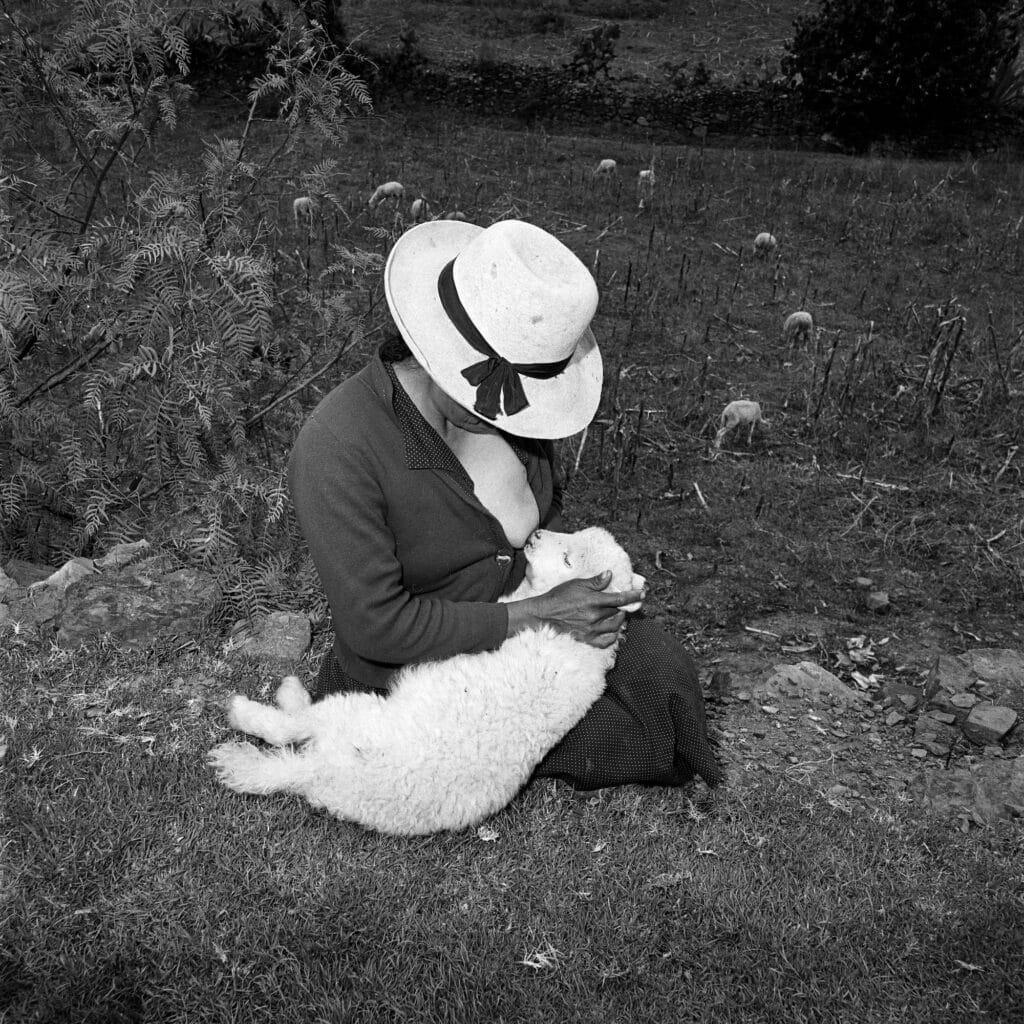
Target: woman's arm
point(342, 511)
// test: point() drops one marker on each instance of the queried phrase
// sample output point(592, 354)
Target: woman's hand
point(581, 608)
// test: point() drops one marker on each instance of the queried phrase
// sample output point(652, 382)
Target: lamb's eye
point(565, 558)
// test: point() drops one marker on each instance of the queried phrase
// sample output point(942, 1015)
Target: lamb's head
point(554, 558)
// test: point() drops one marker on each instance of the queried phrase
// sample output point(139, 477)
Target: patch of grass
point(134, 888)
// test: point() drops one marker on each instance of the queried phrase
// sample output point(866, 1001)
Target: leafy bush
point(140, 331)
point(876, 69)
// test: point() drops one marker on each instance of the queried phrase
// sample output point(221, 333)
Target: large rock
point(806, 681)
point(137, 608)
point(982, 795)
point(988, 723)
point(281, 637)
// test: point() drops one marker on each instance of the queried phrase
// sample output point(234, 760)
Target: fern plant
point(139, 321)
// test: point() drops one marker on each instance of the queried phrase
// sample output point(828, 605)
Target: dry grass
point(135, 889)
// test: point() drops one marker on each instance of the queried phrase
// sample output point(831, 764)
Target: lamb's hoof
point(234, 763)
point(242, 714)
point(292, 696)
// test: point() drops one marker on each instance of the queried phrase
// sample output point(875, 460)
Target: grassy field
point(133, 889)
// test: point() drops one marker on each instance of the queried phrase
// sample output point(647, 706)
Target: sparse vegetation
point(131, 887)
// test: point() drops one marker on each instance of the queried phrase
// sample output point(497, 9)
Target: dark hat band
point(496, 379)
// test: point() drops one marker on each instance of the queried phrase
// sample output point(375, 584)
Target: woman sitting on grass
point(418, 481)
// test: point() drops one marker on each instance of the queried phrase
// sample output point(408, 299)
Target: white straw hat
point(499, 317)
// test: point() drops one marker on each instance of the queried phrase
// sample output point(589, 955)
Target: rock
point(948, 675)
point(894, 718)
point(26, 573)
point(6, 584)
point(908, 696)
point(937, 737)
point(995, 665)
point(806, 680)
point(963, 700)
point(863, 583)
point(876, 601)
point(988, 723)
point(38, 610)
point(280, 636)
point(983, 794)
point(137, 608)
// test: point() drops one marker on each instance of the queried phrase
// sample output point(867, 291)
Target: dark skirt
point(647, 727)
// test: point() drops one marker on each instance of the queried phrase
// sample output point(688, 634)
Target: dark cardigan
point(411, 562)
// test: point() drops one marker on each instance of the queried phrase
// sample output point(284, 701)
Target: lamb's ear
point(636, 583)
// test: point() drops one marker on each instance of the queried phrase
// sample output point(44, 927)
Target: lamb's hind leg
point(245, 768)
point(292, 697)
point(274, 725)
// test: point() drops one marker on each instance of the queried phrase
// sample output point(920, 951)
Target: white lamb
point(389, 190)
point(799, 325)
point(419, 210)
point(739, 413)
point(302, 207)
point(455, 740)
point(764, 243)
point(606, 168)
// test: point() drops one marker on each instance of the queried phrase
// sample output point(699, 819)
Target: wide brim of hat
point(559, 406)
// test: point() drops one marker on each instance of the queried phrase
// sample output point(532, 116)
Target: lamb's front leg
point(272, 724)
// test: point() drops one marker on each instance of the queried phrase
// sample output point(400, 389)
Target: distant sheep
point(455, 215)
point(645, 179)
point(739, 413)
point(798, 326)
point(389, 190)
point(302, 207)
point(605, 168)
point(764, 243)
point(419, 210)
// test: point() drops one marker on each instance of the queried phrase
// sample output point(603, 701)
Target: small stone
point(863, 582)
point(988, 723)
point(919, 752)
point(942, 716)
point(759, 733)
point(792, 759)
point(938, 748)
point(963, 700)
point(743, 695)
point(894, 718)
point(876, 601)
point(909, 700)
point(992, 750)
point(769, 709)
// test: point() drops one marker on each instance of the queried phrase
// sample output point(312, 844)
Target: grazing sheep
point(739, 413)
point(798, 325)
point(605, 168)
point(303, 206)
point(645, 179)
point(764, 243)
point(389, 190)
point(456, 739)
point(419, 210)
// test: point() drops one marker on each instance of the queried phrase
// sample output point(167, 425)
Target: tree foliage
point(882, 68)
point(138, 317)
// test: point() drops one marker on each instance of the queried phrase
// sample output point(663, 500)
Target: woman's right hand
point(580, 607)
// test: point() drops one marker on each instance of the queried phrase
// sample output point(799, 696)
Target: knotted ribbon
point(496, 380)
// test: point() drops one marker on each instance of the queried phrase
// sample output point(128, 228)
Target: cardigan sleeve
point(342, 512)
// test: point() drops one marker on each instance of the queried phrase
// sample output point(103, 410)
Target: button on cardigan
point(410, 561)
